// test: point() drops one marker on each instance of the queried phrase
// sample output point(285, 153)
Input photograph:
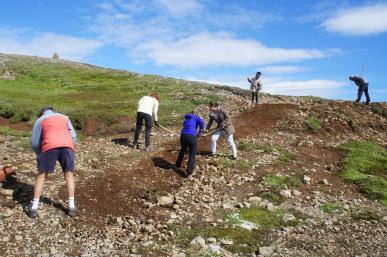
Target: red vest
point(55, 133)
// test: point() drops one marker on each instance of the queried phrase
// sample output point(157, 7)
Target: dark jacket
point(359, 81)
point(222, 118)
point(191, 124)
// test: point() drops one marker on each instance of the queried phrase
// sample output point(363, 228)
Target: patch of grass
point(285, 156)
point(330, 207)
point(24, 143)
point(282, 182)
point(240, 163)
point(87, 92)
point(250, 147)
point(366, 215)
point(313, 123)
point(273, 197)
point(13, 132)
point(244, 241)
point(366, 165)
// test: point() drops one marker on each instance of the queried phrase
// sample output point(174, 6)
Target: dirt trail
point(117, 191)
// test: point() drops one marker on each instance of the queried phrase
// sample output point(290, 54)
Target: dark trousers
point(187, 142)
point(148, 126)
point(361, 89)
point(254, 95)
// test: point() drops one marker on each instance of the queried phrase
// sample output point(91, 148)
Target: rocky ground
point(282, 197)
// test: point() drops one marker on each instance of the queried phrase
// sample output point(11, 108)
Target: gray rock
point(165, 200)
point(286, 193)
point(254, 199)
point(198, 242)
point(306, 179)
point(266, 251)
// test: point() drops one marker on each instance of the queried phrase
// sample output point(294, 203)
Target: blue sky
point(302, 47)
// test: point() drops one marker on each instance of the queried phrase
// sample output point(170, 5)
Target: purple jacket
point(191, 124)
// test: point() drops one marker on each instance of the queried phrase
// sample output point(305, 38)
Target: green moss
point(313, 123)
point(250, 147)
point(244, 241)
point(330, 207)
point(12, 132)
point(366, 165)
point(366, 215)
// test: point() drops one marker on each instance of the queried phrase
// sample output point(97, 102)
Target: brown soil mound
point(117, 192)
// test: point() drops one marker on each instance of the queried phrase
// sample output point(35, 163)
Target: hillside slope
point(94, 96)
point(310, 180)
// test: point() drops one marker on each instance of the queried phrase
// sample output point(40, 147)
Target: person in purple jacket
point(188, 136)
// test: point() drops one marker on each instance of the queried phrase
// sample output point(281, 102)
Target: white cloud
point(206, 49)
point(179, 7)
point(358, 21)
point(285, 86)
point(68, 47)
point(283, 69)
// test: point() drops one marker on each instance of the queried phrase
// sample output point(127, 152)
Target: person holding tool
point(222, 118)
point(147, 106)
point(362, 87)
point(189, 133)
point(53, 138)
point(255, 87)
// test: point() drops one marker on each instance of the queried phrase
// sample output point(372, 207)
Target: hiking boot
point(367, 103)
point(147, 148)
point(135, 145)
point(234, 158)
point(71, 212)
point(32, 213)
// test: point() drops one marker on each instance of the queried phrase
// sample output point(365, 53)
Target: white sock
point(35, 204)
point(71, 202)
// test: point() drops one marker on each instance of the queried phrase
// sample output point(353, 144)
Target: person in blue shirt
point(188, 136)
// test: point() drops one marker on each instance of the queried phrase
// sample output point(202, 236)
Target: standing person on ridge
point(225, 126)
point(148, 106)
point(362, 87)
point(189, 133)
point(53, 138)
point(255, 87)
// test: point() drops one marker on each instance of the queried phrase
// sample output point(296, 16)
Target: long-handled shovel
point(170, 131)
point(8, 171)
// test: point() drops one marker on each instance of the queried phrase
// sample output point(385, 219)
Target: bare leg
point(69, 176)
point(40, 178)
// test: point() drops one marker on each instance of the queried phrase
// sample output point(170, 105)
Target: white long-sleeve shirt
point(149, 105)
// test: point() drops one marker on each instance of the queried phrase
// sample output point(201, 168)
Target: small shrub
point(313, 123)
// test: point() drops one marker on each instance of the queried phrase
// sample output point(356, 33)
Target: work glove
point(157, 123)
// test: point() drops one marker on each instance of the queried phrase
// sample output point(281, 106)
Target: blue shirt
point(191, 124)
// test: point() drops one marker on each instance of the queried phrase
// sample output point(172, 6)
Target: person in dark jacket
point(188, 136)
point(362, 87)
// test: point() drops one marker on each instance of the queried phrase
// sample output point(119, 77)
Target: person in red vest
point(53, 138)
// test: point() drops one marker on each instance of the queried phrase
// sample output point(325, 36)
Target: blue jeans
point(188, 142)
point(148, 126)
point(361, 89)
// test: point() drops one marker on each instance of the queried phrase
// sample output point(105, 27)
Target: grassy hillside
point(87, 92)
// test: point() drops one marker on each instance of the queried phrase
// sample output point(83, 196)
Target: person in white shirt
point(147, 107)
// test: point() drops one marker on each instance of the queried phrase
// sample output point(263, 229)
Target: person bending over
point(225, 126)
point(53, 138)
point(189, 133)
point(148, 106)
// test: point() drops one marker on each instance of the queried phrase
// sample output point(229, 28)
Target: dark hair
point(213, 104)
point(154, 95)
point(44, 109)
point(259, 73)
